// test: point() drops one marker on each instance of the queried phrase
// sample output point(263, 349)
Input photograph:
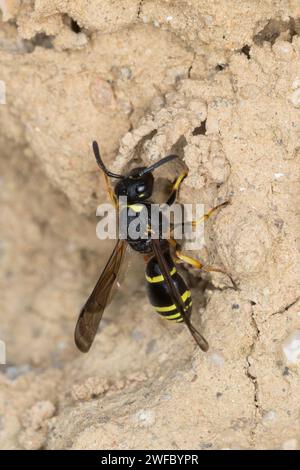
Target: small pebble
point(125, 73)
point(216, 359)
point(291, 348)
point(270, 416)
point(145, 417)
point(283, 49)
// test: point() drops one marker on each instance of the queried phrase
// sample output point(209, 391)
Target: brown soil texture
point(220, 86)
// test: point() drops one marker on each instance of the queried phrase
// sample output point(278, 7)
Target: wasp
point(167, 291)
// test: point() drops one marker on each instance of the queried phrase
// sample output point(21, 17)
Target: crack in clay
point(253, 378)
point(286, 308)
point(192, 64)
point(139, 10)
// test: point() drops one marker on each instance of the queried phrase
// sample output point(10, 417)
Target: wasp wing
point(91, 313)
point(175, 296)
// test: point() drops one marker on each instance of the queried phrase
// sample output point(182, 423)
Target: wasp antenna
point(101, 163)
point(159, 163)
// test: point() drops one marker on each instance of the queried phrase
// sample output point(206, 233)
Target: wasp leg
point(195, 263)
point(209, 213)
point(208, 268)
point(205, 216)
point(175, 188)
point(173, 243)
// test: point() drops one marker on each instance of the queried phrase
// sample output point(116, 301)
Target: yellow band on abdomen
point(159, 278)
point(177, 314)
point(169, 308)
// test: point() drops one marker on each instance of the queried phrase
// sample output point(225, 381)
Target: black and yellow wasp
point(167, 290)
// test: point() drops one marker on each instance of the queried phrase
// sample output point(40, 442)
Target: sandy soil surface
point(221, 87)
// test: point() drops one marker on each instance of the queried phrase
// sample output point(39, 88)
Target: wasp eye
point(140, 188)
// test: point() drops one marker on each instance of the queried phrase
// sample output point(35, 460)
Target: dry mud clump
point(218, 85)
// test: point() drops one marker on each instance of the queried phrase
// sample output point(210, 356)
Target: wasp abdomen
point(158, 290)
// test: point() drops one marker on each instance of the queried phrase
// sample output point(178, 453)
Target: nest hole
point(246, 51)
point(72, 24)
point(200, 130)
